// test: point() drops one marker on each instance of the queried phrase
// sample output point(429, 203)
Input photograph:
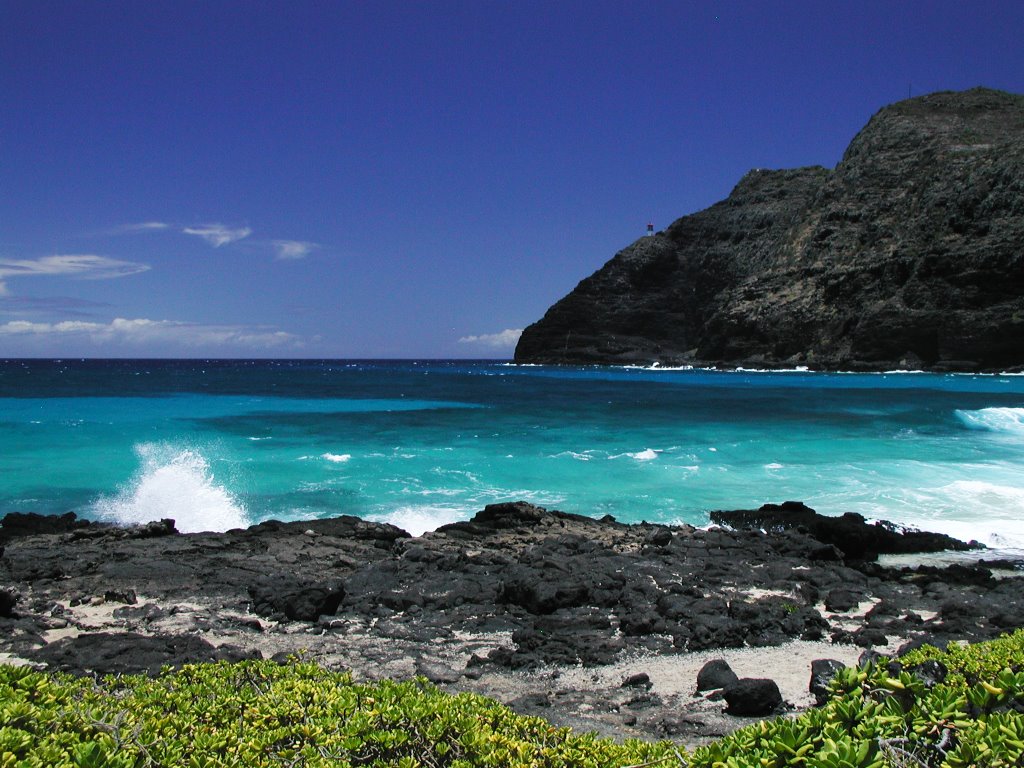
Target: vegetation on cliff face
point(907, 254)
point(954, 709)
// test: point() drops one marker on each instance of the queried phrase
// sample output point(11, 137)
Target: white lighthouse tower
point(650, 229)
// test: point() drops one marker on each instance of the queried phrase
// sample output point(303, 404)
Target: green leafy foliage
point(970, 663)
point(264, 714)
point(876, 719)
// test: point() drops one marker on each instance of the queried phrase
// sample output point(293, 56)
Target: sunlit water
point(217, 445)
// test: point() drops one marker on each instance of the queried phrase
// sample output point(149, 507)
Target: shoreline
point(548, 612)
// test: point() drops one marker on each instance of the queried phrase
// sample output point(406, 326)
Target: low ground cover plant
point(265, 714)
point(260, 713)
point(964, 708)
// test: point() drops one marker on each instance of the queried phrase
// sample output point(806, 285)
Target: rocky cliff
point(908, 254)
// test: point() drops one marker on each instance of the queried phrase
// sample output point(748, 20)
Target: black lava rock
point(639, 680)
point(126, 653)
point(822, 672)
point(851, 533)
point(126, 596)
point(715, 674)
point(842, 600)
point(295, 599)
point(753, 697)
point(8, 599)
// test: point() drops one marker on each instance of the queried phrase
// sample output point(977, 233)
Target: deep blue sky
point(385, 179)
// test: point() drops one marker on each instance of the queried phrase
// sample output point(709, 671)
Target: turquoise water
point(216, 445)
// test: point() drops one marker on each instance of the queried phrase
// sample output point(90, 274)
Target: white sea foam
point(988, 512)
point(176, 483)
point(741, 369)
point(773, 465)
point(337, 458)
point(579, 456)
point(1009, 421)
point(648, 454)
point(417, 520)
point(655, 366)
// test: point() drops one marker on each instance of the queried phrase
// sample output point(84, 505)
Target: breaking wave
point(1007, 421)
point(173, 483)
point(417, 520)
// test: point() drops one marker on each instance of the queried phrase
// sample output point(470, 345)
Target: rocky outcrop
point(472, 604)
point(851, 534)
point(907, 255)
point(109, 653)
point(565, 588)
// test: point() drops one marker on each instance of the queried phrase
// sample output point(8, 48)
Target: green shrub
point(875, 719)
point(264, 714)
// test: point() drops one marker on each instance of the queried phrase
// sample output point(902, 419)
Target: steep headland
point(908, 254)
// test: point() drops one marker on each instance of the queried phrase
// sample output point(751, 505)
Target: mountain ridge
point(908, 254)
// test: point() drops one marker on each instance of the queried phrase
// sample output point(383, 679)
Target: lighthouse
point(650, 229)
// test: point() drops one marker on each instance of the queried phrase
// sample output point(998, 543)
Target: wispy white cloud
point(503, 340)
point(83, 266)
point(294, 249)
point(222, 234)
point(152, 334)
point(142, 226)
point(218, 234)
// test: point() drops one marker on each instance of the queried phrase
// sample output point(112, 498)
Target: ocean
point(224, 444)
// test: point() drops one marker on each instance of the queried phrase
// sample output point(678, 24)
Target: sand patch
point(675, 675)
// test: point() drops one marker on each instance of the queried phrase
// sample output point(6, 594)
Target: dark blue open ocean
point(221, 444)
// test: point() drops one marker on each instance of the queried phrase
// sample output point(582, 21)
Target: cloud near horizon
point(294, 249)
point(506, 339)
point(141, 331)
point(218, 234)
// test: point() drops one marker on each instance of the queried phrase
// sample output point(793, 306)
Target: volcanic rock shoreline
point(518, 603)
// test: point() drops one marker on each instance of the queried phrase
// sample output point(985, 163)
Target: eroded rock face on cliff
point(909, 254)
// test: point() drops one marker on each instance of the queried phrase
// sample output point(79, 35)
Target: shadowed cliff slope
point(909, 254)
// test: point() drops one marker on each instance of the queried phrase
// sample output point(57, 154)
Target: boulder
point(639, 680)
point(295, 599)
point(842, 600)
point(8, 599)
point(752, 697)
point(125, 596)
point(715, 674)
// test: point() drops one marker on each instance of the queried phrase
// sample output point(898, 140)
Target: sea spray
point(176, 483)
point(417, 520)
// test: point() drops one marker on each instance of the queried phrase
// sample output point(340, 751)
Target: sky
point(407, 179)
